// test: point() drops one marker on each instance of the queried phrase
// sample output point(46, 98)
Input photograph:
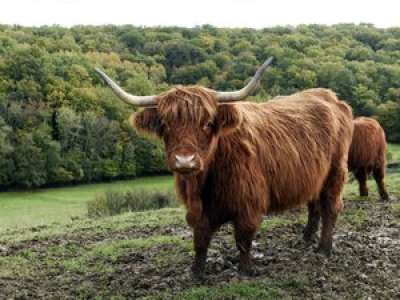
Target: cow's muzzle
point(186, 163)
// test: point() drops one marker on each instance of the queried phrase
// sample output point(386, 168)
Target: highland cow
point(368, 155)
point(239, 161)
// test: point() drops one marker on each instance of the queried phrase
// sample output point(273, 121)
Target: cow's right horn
point(126, 97)
point(248, 89)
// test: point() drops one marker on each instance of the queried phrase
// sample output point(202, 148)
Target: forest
point(59, 124)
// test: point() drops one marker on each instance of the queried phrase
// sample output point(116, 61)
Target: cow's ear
point(147, 120)
point(228, 118)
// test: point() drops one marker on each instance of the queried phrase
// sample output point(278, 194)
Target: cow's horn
point(248, 89)
point(126, 97)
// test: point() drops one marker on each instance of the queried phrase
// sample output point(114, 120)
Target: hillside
point(148, 254)
point(60, 125)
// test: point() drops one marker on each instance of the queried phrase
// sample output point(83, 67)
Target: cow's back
point(368, 147)
point(283, 151)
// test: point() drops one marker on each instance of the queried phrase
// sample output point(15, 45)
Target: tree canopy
point(59, 124)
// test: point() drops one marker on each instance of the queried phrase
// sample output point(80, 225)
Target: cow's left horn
point(126, 97)
point(248, 89)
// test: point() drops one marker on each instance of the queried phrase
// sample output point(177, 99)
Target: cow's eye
point(208, 126)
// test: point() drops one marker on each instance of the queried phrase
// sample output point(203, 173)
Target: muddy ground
point(365, 264)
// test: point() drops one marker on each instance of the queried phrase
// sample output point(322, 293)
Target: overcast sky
point(189, 13)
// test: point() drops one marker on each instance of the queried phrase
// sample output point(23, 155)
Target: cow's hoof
point(198, 273)
point(198, 276)
point(309, 239)
point(386, 198)
point(249, 270)
point(325, 250)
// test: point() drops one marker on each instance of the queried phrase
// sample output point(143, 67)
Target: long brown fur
point(368, 154)
point(256, 159)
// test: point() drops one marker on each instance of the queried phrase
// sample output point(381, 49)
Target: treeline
point(59, 124)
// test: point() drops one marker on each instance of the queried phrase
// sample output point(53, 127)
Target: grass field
point(45, 206)
point(395, 150)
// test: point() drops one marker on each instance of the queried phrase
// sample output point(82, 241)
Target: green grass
point(246, 289)
point(395, 150)
point(17, 265)
point(44, 206)
point(236, 290)
point(103, 255)
point(97, 227)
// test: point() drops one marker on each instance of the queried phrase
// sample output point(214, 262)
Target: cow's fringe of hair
point(191, 104)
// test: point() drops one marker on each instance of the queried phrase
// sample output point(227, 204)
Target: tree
point(30, 161)
point(7, 166)
point(389, 116)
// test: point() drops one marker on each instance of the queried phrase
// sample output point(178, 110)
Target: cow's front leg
point(202, 237)
point(244, 235)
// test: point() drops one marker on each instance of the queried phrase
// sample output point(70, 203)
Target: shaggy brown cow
point(368, 154)
point(236, 162)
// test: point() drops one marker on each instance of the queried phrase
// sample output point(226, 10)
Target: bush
point(114, 203)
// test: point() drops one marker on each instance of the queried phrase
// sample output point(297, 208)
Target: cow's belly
point(296, 186)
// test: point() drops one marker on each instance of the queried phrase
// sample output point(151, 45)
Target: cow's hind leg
point(314, 216)
point(361, 176)
point(244, 235)
point(331, 203)
point(379, 175)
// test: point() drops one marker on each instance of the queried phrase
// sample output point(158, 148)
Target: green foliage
point(115, 203)
point(30, 161)
point(6, 163)
point(59, 124)
point(389, 116)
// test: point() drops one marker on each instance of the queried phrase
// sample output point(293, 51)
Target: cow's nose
point(185, 161)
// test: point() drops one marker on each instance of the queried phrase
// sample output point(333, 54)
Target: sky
point(189, 13)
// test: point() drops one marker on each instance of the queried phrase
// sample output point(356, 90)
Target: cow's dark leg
point(244, 238)
point(331, 203)
point(244, 235)
point(313, 222)
point(202, 236)
point(361, 176)
point(379, 175)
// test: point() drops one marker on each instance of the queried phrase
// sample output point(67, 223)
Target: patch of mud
point(365, 264)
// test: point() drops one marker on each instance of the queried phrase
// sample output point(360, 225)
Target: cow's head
point(190, 120)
